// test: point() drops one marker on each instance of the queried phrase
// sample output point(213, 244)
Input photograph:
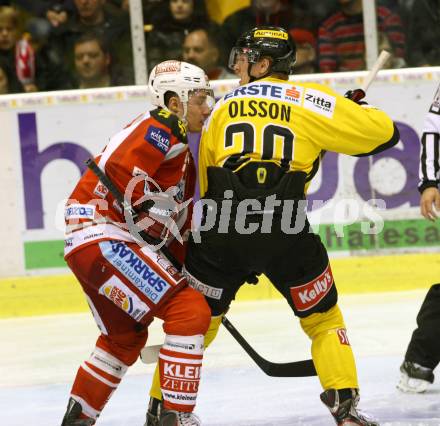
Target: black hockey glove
point(356, 95)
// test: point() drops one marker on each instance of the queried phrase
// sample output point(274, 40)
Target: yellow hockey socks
point(331, 350)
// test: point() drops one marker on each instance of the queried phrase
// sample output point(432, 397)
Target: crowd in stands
point(66, 44)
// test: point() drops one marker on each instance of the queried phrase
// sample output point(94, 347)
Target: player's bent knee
point(318, 323)
point(191, 317)
point(125, 347)
point(200, 318)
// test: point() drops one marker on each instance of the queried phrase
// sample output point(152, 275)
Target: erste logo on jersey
point(159, 138)
point(294, 94)
point(319, 102)
point(308, 295)
point(276, 92)
point(116, 291)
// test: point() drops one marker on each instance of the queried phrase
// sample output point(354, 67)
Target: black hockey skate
point(154, 411)
point(414, 377)
point(178, 418)
point(342, 405)
point(71, 418)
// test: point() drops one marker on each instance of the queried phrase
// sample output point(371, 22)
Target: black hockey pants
point(424, 347)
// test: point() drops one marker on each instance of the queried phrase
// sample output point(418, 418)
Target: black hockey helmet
point(266, 41)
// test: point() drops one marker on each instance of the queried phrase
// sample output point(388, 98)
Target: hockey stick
point(358, 94)
point(105, 180)
point(304, 368)
point(377, 66)
point(150, 354)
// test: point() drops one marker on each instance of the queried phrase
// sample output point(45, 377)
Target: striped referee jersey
point(429, 172)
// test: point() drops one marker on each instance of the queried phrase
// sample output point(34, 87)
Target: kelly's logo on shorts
point(310, 294)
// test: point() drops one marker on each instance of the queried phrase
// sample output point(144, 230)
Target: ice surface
point(39, 357)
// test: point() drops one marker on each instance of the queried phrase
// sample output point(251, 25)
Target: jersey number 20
point(265, 150)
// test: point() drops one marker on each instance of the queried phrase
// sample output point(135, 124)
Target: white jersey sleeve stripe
point(429, 158)
point(117, 139)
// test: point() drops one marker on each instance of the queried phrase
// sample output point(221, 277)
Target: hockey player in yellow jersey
point(259, 150)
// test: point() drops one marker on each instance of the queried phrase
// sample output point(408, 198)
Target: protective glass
point(201, 97)
point(242, 53)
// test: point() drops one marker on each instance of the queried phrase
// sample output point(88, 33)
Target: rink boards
point(53, 294)
point(47, 136)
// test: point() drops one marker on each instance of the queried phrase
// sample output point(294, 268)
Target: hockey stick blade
point(150, 354)
point(304, 368)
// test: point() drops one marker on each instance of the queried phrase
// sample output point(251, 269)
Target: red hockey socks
point(180, 363)
point(96, 380)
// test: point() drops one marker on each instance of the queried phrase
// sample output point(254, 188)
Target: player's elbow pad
point(386, 145)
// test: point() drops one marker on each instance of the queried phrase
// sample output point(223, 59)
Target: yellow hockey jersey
point(291, 124)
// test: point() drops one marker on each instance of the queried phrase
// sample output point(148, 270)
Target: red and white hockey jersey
point(153, 145)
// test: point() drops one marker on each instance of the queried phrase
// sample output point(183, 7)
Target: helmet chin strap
point(185, 111)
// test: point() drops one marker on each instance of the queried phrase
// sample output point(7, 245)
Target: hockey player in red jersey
point(127, 282)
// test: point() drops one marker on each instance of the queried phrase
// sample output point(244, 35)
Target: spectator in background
point(41, 15)
point(200, 48)
point(385, 44)
point(4, 80)
point(30, 66)
point(321, 9)
point(305, 51)
point(170, 26)
point(8, 31)
point(57, 12)
point(264, 12)
point(93, 16)
point(93, 63)
point(424, 33)
point(8, 81)
point(9, 37)
point(151, 8)
point(341, 44)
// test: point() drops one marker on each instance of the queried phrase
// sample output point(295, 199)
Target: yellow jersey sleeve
point(352, 129)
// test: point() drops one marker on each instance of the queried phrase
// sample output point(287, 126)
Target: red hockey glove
point(356, 95)
point(156, 217)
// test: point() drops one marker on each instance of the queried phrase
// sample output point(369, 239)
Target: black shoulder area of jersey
point(177, 127)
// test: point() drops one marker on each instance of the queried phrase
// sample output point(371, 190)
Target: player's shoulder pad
point(177, 127)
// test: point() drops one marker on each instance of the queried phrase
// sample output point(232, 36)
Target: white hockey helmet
point(176, 76)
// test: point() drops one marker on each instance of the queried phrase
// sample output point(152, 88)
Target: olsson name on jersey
point(253, 108)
